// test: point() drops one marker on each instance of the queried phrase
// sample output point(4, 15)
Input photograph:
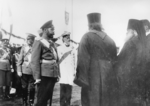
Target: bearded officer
point(44, 65)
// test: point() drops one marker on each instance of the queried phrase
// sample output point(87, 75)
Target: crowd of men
point(105, 78)
point(31, 71)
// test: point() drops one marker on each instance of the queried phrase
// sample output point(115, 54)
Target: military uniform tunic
point(44, 66)
point(5, 67)
point(44, 51)
point(24, 60)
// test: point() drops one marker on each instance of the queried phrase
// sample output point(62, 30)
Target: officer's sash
point(64, 56)
point(4, 54)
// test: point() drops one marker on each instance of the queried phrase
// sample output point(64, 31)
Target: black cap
point(47, 25)
point(133, 24)
point(138, 26)
point(146, 23)
point(94, 18)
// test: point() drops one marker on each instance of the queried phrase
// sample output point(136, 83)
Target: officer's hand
point(37, 81)
point(12, 70)
point(19, 74)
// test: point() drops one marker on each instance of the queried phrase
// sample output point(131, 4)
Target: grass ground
point(74, 102)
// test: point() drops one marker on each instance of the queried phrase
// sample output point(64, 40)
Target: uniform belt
point(48, 61)
point(4, 60)
point(26, 62)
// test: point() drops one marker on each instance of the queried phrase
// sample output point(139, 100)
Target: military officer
point(5, 68)
point(24, 71)
point(67, 69)
point(44, 65)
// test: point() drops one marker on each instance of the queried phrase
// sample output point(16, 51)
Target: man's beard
point(30, 43)
point(50, 36)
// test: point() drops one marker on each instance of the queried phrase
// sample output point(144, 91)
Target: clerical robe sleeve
point(83, 62)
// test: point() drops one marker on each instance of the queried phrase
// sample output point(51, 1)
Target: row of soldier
point(105, 78)
point(9, 55)
point(17, 73)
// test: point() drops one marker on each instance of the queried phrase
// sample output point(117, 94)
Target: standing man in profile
point(24, 71)
point(95, 74)
point(146, 24)
point(67, 70)
point(44, 65)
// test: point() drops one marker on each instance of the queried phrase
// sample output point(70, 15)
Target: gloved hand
point(19, 74)
point(37, 81)
point(12, 70)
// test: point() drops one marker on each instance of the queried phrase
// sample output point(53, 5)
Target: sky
point(29, 15)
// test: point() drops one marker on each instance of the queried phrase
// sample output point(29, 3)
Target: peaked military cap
point(47, 25)
point(30, 36)
point(66, 34)
point(5, 40)
point(94, 18)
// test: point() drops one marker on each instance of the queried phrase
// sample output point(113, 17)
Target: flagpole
point(65, 14)
point(72, 19)
point(11, 28)
point(1, 16)
point(11, 24)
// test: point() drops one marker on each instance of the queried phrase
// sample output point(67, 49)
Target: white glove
point(19, 74)
point(37, 81)
point(12, 70)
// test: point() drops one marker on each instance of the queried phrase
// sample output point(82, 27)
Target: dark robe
point(96, 54)
point(130, 67)
point(131, 70)
point(147, 78)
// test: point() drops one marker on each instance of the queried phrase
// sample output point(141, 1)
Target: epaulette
point(38, 38)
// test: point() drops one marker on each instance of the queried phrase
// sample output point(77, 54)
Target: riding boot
point(6, 92)
point(24, 96)
point(31, 97)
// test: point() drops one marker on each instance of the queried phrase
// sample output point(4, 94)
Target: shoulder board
point(38, 38)
point(45, 42)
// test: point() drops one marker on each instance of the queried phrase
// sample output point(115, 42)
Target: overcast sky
point(29, 15)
